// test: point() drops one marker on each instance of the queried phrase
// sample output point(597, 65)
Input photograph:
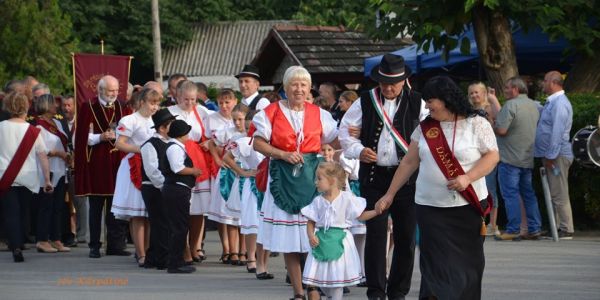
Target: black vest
point(161, 153)
point(405, 121)
point(252, 107)
point(172, 178)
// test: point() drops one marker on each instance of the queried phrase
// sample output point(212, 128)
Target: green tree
point(434, 23)
point(578, 21)
point(351, 14)
point(36, 40)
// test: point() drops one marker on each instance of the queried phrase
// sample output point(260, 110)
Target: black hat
point(249, 70)
point(161, 117)
point(391, 69)
point(179, 128)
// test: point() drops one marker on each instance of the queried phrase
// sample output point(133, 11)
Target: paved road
point(514, 270)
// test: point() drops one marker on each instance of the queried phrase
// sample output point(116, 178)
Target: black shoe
point(18, 256)
point(182, 270)
point(94, 253)
point(274, 254)
point(118, 252)
point(346, 290)
point(149, 265)
point(264, 276)
point(70, 243)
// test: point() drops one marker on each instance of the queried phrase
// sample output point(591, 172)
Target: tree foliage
point(36, 40)
point(353, 15)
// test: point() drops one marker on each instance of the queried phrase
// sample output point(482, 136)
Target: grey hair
point(41, 86)
point(296, 73)
point(42, 103)
point(102, 82)
point(517, 82)
point(186, 85)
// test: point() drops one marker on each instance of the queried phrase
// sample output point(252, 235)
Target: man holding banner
point(96, 164)
point(386, 115)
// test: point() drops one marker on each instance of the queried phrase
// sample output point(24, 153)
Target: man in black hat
point(180, 178)
point(386, 116)
point(249, 80)
point(154, 164)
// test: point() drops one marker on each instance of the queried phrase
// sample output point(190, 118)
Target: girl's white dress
point(278, 230)
point(351, 166)
point(127, 199)
point(339, 213)
point(249, 215)
point(222, 131)
point(200, 198)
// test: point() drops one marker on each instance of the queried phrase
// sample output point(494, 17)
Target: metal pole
point(156, 42)
point(549, 206)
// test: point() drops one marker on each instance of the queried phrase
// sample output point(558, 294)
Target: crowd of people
point(329, 180)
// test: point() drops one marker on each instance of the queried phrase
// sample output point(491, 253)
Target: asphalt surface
point(542, 270)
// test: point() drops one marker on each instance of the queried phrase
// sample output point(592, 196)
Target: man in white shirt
point(249, 80)
point(390, 105)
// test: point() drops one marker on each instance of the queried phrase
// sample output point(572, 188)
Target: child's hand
point(196, 172)
point(313, 240)
point(250, 173)
point(204, 145)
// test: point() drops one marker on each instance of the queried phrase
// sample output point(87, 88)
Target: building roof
point(329, 53)
point(219, 49)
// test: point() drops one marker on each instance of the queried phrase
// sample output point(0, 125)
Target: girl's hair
point(43, 103)
point(150, 95)
point(350, 96)
point(241, 108)
point(483, 89)
point(16, 104)
point(334, 170)
point(226, 93)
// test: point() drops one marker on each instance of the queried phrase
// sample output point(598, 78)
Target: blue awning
point(535, 53)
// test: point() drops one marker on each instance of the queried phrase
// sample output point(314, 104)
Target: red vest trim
point(283, 136)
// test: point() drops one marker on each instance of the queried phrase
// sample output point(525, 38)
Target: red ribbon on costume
point(18, 159)
point(135, 170)
point(449, 165)
point(52, 128)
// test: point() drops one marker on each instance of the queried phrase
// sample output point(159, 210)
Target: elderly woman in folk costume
point(290, 132)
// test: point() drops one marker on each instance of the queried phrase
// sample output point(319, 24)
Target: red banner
point(89, 68)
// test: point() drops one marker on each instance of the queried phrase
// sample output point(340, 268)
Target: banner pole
point(102, 47)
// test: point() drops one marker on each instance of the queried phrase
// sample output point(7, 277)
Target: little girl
point(221, 129)
point(333, 261)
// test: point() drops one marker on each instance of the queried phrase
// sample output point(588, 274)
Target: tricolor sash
point(449, 165)
point(52, 128)
point(378, 105)
point(18, 159)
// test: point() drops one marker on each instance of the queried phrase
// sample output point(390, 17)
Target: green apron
point(291, 193)
point(331, 244)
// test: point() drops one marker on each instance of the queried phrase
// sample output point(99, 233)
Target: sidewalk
point(514, 270)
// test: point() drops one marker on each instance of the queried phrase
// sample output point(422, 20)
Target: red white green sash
point(378, 104)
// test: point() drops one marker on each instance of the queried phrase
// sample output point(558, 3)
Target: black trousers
point(402, 212)
point(157, 253)
point(50, 213)
point(177, 203)
point(12, 213)
point(116, 230)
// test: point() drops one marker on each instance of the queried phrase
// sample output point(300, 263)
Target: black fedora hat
point(161, 117)
point(179, 128)
point(390, 70)
point(249, 70)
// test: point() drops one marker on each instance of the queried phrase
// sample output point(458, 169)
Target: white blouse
point(341, 212)
point(11, 135)
point(57, 165)
point(244, 153)
point(351, 166)
point(190, 118)
point(474, 137)
point(264, 128)
point(136, 127)
point(216, 123)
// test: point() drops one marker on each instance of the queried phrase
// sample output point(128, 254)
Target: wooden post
point(156, 42)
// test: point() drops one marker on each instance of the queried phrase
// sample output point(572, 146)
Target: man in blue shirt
point(553, 146)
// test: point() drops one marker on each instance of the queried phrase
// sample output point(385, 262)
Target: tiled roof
point(217, 49)
point(322, 50)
